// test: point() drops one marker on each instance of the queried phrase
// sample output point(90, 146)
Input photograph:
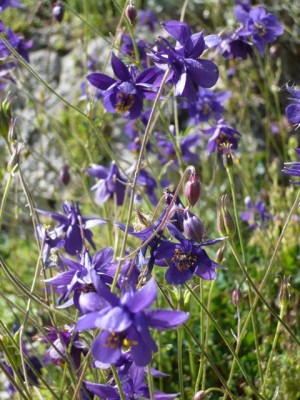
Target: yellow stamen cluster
point(125, 103)
point(183, 261)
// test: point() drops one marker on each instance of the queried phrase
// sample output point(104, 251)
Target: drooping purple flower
point(61, 340)
point(293, 110)
point(123, 96)
point(135, 128)
point(81, 278)
point(111, 183)
point(185, 258)
point(147, 18)
point(209, 105)
point(235, 46)
point(73, 226)
point(188, 72)
point(222, 135)
point(128, 48)
point(263, 27)
point(50, 240)
point(293, 168)
point(4, 4)
point(17, 42)
point(187, 143)
point(133, 383)
point(256, 214)
point(125, 322)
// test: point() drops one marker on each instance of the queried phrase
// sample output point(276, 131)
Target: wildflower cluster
point(125, 284)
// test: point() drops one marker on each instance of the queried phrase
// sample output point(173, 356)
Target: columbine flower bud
point(200, 395)
point(193, 227)
point(131, 13)
point(236, 296)
point(284, 292)
point(192, 189)
point(64, 175)
point(220, 254)
point(225, 222)
point(58, 11)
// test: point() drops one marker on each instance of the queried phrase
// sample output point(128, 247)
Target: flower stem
point(202, 339)
point(147, 133)
point(118, 382)
point(150, 382)
point(5, 194)
point(275, 340)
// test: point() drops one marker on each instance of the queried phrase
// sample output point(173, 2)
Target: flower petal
point(166, 319)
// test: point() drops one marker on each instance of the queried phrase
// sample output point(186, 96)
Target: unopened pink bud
point(192, 189)
point(236, 296)
point(200, 395)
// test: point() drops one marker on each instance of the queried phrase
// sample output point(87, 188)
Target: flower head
point(185, 259)
point(111, 183)
point(9, 3)
point(256, 214)
point(293, 110)
point(125, 323)
point(222, 134)
point(125, 95)
point(293, 168)
point(188, 72)
point(73, 226)
point(263, 27)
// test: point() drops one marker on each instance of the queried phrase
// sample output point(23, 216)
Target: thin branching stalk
point(226, 341)
point(150, 382)
point(136, 175)
point(274, 344)
point(118, 382)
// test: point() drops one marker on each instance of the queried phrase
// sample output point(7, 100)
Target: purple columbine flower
point(263, 27)
point(235, 46)
point(186, 144)
point(61, 340)
point(293, 110)
point(127, 48)
point(256, 214)
point(188, 72)
point(73, 226)
point(133, 383)
point(147, 18)
point(50, 240)
point(80, 279)
point(124, 96)
point(293, 168)
point(9, 3)
point(185, 259)
point(111, 183)
point(125, 323)
point(209, 105)
point(222, 135)
point(17, 42)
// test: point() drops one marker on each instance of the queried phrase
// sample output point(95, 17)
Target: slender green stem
point(179, 361)
point(136, 175)
point(150, 382)
point(274, 344)
point(212, 283)
point(14, 383)
point(5, 194)
point(226, 341)
point(235, 210)
point(195, 339)
point(202, 339)
point(118, 382)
